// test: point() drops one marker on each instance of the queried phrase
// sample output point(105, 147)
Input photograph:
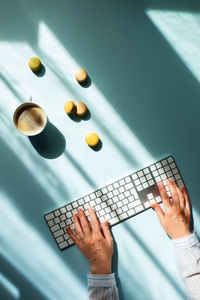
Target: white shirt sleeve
point(102, 287)
point(187, 250)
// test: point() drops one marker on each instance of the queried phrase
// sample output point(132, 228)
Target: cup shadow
point(50, 143)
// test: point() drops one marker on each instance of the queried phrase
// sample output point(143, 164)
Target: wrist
point(101, 269)
point(181, 235)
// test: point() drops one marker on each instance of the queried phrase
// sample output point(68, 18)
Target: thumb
point(159, 212)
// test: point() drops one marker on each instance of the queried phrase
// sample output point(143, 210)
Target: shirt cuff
point(186, 242)
point(107, 280)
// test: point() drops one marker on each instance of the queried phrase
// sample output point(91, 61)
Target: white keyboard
point(117, 201)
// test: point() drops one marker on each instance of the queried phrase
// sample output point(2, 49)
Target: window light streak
point(66, 64)
point(9, 286)
point(39, 263)
point(181, 30)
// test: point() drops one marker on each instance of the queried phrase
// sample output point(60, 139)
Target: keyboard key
point(69, 214)
point(128, 186)
point(170, 159)
point(131, 198)
point(63, 245)
point(116, 185)
point(131, 212)
point(142, 179)
point(55, 228)
point(145, 185)
point(66, 236)
point(151, 182)
point(119, 204)
point(103, 205)
point(158, 199)
point(139, 188)
point(63, 210)
point(136, 181)
point(58, 233)
point(110, 188)
point(110, 195)
point(121, 196)
point(51, 223)
point(92, 196)
point(134, 204)
point(127, 179)
point(140, 174)
point(115, 199)
point(115, 192)
point(147, 204)
point(172, 166)
point(92, 203)
point(114, 206)
point(49, 217)
point(97, 207)
point(75, 205)
point(104, 197)
point(80, 202)
point(158, 165)
point(60, 239)
point(139, 208)
point(150, 196)
point(148, 177)
point(87, 199)
point(107, 210)
point(70, 242)
point(125, 201)
point(123, 216)
point(113, 214)
point(163, 176)
point(127, 193)
point(134, 193)
point(121, 189)
point(69, 207)
point(122, 182)
point(124, 208)
point(155, 173)
point(86, 206)
point(109, 202)
point(180, 183)
point(152, 201)
point(177, 176)
point(119, 211)
point(175, 170)
point(146, 171)
point(68, 222)
point(153, 168)
point(98, 193)
point(102, 212)
point(104, 190)
point(57, 213)
point(166, 168)
point(164, 162)
point(161, 171)
point(62, 225)
point(98, 200)
point(114, 220)
point(134, 176)
point(56, 220)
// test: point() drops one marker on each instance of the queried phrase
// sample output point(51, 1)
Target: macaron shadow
point(76, 118)
point(41, 72)
point(87, 83)
point(50, 143)
point(97, 147)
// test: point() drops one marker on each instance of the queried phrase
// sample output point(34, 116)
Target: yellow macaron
point(81, 75)
point(81, 109)
point(92, 139)
point(34, 64)
point(70, 107)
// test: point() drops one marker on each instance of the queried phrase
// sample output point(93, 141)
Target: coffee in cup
point(30, 119)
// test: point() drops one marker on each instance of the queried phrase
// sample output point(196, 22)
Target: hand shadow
point(50, 143)
point(115, 269)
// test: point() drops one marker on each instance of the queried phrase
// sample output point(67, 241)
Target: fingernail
point(67, 228)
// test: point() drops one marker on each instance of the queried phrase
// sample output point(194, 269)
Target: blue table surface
point(142, 58)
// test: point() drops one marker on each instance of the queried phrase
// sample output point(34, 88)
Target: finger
point(78, 227)
point(159, 212)
point(187, 199)
point(164, 196)
point(173, 192)
point(106, 231)
point(84, 222)
point(73, 236)
point(94, 220)
point(180, 195)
